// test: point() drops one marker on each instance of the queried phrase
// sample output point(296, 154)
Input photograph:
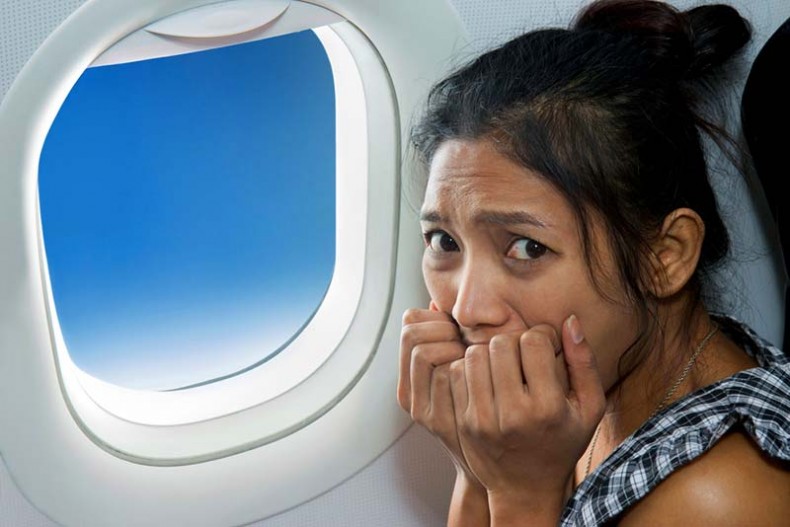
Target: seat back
point(765, 118)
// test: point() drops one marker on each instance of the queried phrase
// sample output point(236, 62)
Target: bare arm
point(733, 484)
point(469, 504)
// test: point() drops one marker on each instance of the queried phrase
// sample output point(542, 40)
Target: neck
point(640, 392)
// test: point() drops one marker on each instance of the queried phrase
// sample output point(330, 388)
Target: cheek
point(440, 289)
point(611, 330)
point(536, 308)
point(547, 302)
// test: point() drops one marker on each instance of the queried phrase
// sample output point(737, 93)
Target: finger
point(539, 350)
point(561, 371)
point(458, 389)
point(413, 335)
point(506, 375)
point(479, 387)
point(441, 418)
point(421, 326)
point(424, 359)
point(415, 315)
point(430, 331)
point(584, 379)
point(433, 307)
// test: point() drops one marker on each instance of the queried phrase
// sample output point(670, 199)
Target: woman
point(568, 361)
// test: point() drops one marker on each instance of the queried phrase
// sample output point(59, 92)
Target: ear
point(676, 252)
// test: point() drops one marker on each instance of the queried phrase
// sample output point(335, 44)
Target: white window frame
point(315, 369)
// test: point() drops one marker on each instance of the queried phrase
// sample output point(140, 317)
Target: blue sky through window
point(188, 209)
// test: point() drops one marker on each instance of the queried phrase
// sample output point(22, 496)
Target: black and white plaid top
point(757, 399)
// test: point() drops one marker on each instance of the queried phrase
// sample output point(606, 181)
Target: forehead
point(469, 176)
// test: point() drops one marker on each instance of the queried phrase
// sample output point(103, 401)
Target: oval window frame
point(143, 426)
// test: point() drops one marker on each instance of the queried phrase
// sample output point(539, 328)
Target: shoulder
point(732, 484)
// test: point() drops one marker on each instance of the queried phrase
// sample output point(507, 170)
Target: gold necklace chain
point(672, 389)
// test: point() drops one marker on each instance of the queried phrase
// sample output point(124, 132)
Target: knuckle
point(510, 426)
point(420, 356)
point(441, 375)
point(408, 335)
point(499, 349)
point(550, 413)
point(476, 352)
point(467, 428)
point(538, 337)
point(473, 428)
point(412, 315)
point(456, 370)
point(500, 342)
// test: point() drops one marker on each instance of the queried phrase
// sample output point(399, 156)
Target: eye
point(526, 249)
point(440, 242)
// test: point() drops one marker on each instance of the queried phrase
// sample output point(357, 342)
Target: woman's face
point(504, 253)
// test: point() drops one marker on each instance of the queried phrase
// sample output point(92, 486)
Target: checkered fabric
point(757, 399)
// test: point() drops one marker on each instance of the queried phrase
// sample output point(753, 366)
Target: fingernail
point(577, 335)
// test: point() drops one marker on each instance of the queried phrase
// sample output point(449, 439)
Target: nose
point(480, 301)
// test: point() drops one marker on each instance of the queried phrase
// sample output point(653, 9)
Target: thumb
point(584, 378)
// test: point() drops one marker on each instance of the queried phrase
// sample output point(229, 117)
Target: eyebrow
point(431, 216)
point(491, 217)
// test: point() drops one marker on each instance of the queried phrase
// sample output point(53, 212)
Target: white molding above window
point(223, 19)
point(205, 27)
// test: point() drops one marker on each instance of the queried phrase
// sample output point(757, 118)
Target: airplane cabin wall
point(409, 484)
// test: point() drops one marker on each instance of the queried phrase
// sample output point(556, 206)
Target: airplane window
point(188, 210)
point(143, 236)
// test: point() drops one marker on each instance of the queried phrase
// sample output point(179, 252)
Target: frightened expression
point(504, 252)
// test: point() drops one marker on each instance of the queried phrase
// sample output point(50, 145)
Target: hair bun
point(718, 32)
point(689, 43)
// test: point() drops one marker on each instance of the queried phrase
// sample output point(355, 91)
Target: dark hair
point(608, 111)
